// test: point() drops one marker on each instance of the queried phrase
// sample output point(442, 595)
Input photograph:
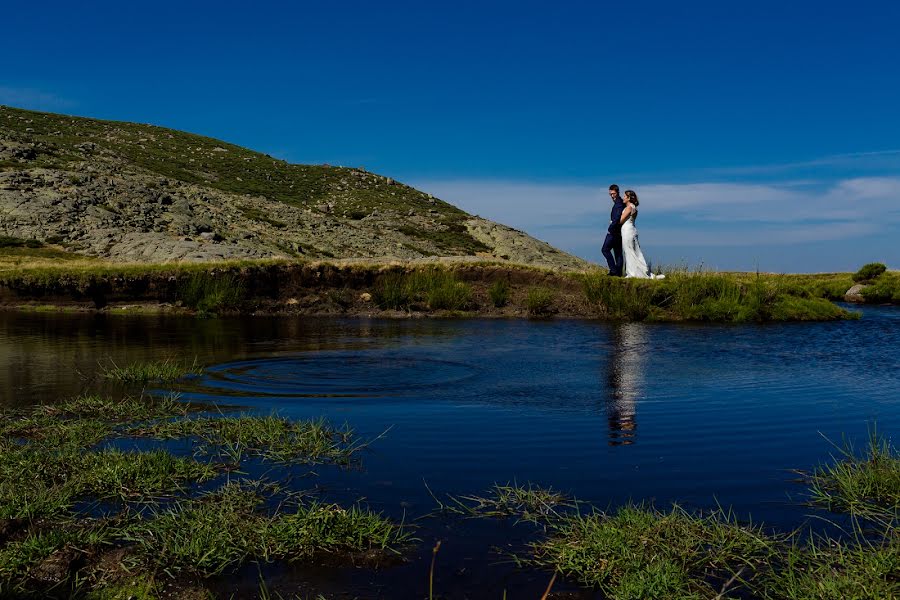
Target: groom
point(613, 242)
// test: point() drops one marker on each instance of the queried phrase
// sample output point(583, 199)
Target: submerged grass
point(143, 372)
point(826, 569)
point(121, 410)
point(39, 480)
point(866, 484)
point(527, 502)
point(272, 438)
point(221, 530)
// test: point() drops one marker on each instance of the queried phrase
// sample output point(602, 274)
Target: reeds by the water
point(702, 296)
point(434, 288)
point(143, 372)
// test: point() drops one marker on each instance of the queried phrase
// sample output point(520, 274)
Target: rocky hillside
point(133, 192)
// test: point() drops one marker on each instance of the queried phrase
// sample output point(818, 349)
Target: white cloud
point(697, 215)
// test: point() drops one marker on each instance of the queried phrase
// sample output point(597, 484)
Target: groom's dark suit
point(613, 241)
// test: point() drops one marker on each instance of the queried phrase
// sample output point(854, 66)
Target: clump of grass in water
point(142, 372)
point(867, 485)
point(221, 530)
point(209, 293)
point(499, 293)
point(528, 502)
point(539, 301)
point(640, 552)
point(40, 480)
point(272, 438)
point(826, 569)
point(127, 409)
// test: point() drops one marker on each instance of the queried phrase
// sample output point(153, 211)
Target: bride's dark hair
point(632, 196)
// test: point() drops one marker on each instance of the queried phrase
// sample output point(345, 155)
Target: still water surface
point(606, 412)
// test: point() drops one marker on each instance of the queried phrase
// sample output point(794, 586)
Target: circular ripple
point(329, 375)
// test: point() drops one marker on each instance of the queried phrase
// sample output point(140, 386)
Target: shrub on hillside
point(499, 293)
point(869, 271)
point(14, 242)
point(540, 301)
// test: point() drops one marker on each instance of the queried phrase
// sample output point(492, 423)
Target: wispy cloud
point(874, 159)
point(26, 97)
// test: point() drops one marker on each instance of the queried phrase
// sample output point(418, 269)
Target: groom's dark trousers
point(612, 245)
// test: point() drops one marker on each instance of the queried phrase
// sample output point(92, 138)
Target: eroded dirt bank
point(304, 288)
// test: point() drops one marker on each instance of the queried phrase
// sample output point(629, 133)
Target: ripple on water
point(329, 375)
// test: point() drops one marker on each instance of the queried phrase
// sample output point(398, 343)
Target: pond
point(704, 415)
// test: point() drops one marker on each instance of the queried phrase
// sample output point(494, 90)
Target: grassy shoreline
point(400, 289)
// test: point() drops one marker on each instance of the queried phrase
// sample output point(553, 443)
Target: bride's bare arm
point(625, 214)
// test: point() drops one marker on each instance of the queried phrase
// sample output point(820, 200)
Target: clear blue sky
point(756, 133)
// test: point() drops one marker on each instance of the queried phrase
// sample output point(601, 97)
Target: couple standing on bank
point(621, 248)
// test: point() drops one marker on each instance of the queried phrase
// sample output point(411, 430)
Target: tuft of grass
point(865, 484)
point(499, 293)
point(272, 438)
point(135, 587)
point(210, 292)
point(319, 528)
point(869, 272)
point(222, 530)
point(437, 288)
point(19, 557)
point(527, 502)
point(618, 299)
point(539, 301)
point(392, 292)
point(142, 372)
point(885, 289)
point(127, 409)
point(38, 480)
point(640, 552)
point(826, 569)
point(129, 475)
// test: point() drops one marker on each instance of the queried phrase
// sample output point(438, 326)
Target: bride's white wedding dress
point(635, 265)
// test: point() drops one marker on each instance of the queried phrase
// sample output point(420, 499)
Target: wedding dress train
point(635, 264)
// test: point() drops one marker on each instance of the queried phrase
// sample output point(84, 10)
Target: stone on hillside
point(854, 294)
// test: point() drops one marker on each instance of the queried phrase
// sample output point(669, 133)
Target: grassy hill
point(57, 158)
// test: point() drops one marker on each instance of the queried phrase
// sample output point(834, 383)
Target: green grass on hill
point(65, 141)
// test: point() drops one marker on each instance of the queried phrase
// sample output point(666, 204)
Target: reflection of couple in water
point(624, 382)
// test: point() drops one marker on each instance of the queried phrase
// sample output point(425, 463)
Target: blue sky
point(758, 134)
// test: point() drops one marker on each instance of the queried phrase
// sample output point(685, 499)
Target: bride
point(635, 265)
